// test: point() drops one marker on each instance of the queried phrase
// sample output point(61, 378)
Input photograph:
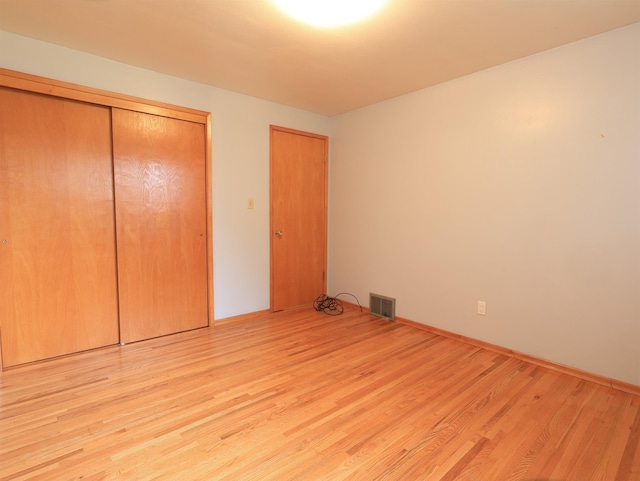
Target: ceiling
point(248, 46)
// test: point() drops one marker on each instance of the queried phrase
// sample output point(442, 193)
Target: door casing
point(298, 210)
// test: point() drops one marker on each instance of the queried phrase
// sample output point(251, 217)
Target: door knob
point(279, 233)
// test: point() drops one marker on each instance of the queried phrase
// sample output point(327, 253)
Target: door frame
point(272, 228)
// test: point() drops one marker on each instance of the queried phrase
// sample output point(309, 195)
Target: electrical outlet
point(482, 308)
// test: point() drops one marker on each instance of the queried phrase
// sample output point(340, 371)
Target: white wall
point(240, 138)
point(518, 185)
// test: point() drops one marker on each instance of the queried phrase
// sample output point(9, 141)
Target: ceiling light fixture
point(329, 13)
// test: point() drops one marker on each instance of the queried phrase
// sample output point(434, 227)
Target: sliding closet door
point(57, 240)
point(161, 220)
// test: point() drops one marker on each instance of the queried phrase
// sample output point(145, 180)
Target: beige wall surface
point(240, 157)
point(518, 186)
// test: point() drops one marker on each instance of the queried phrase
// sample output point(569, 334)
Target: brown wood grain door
point(298, 217)
point(57, 241)
point(161, 223)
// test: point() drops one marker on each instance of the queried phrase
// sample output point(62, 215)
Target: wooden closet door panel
point(58, 281)
point(161, 224)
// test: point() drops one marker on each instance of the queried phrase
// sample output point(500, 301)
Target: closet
point(104, 219)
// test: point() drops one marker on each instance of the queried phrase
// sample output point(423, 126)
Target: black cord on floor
point(332, 305)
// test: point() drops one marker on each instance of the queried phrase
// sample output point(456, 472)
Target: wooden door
point(57, 241)
point(161, 223)
point(298, 217)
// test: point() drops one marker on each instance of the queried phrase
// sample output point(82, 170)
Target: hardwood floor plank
point(299, 395)
point(629, 468)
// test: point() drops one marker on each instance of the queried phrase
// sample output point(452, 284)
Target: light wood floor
point(305, 396)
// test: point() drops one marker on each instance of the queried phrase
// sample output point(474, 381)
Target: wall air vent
point(382, 306)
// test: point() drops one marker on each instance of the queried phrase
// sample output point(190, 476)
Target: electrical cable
point(332, 305)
